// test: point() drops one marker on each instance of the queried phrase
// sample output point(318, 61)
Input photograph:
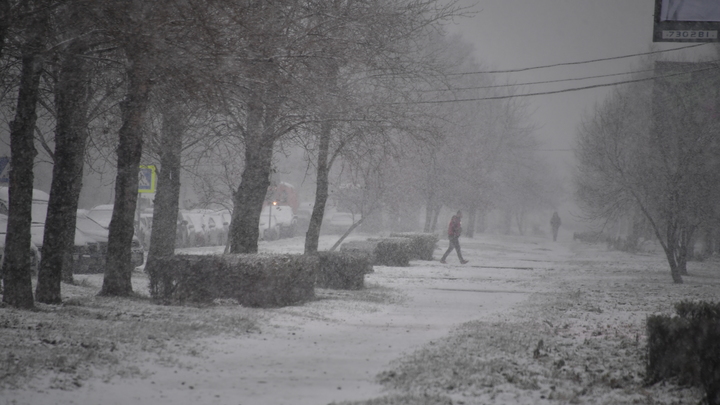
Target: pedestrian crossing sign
point(147, 179)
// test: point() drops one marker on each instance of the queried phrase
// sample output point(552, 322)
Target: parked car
point(39, 212)
point(196, 228)
point(268, 227)
point(33, 251)
point(283, 222)
point(225, 217)
point(145, 228)
point(216, 230)
point(101, 215)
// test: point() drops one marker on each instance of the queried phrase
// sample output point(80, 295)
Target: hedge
point(252, 280)
point(343, 270)
point(422, 245)
point(383, 251)
point(686, 347)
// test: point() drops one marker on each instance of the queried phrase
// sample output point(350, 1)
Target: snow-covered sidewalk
point(333, 348)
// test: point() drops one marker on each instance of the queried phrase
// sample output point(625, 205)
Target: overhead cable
point(541, 82)
point(555, 91)
point(574, 63)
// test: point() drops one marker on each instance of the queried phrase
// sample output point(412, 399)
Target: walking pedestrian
point(555, 224)
point(454, 231)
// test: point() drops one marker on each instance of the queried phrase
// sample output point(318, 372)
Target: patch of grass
point(592, 350)
point(402, 400)
point(110, 337)
point(372, 293)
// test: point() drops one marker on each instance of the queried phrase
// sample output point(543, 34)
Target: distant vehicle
point(101, 215)
point(277, 221)
point(33, 251)
point(145, 228)
point(39, 204)
point(91, 259)
point(268, 228)
point(196, 228)
point(217, 231)
point(282, 194)
point(91, 232)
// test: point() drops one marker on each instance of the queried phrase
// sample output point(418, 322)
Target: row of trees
point(363, 86)
point(652, 149)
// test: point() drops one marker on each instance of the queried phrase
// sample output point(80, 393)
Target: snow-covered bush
point(422, 245)
point(252, 280)
point(343, 270)
point(686, 347)
point(384, 251)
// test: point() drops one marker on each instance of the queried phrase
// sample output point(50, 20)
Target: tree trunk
point(264, 101)
point(347, 233)
point(670, 247)
point(312, 237)
point(248, 199)
point(429, 212)
point(470, 226)
point(118, 271)
point(428, 218)
point(5, 22)
point(71, 100)
point(708, 240)
point(167, 197)
point(436, 214)
point(675, 271)
point(17, 281)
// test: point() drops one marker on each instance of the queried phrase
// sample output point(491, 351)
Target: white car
point(34, 251)
point(196, 228)
point(101, 215)
point(268, 227)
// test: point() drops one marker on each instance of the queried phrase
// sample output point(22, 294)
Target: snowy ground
point(429, 333)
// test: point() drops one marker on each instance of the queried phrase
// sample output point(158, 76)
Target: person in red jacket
point(454, 232)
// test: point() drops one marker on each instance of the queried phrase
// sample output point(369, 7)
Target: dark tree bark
point(118, 271)
point(17, 261)
point(262, 113)
point(5, 22)
point(71, 134)
point(312, 237)
point(167, 197)
point(249, 197)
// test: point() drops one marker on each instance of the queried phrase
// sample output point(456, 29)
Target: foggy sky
point(512, 34)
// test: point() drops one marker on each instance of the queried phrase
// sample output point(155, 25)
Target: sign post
point(147, 179)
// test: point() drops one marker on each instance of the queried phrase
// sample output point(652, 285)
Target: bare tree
point(16, 264)
point(397, 58)
point(72, 97)
point(134, 28)
point(653, 148)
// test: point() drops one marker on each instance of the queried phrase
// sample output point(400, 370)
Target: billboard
point(686, 21)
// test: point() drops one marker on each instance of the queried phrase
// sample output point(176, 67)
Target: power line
point(574, 63)
point(548, 81)
point(555, 91)
point(542, 82)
